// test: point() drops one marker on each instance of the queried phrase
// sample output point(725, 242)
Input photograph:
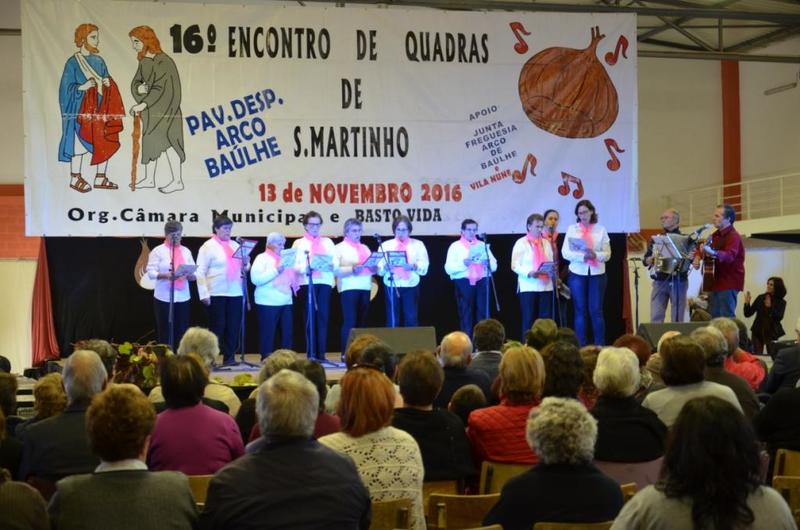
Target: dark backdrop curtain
point(95, 295)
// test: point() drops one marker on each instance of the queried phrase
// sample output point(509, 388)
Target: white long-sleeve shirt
point(263, 274)
point(212, 271)
point(522, 264)
point(416, 253)
point(302, 245)
point(456, 254)
point(160, 261)
point(345, 257)
point(601, 247)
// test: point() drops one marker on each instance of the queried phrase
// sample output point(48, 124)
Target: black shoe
point(230, 362)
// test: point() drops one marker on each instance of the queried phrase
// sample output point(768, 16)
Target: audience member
point(626, 431)
point(351, 357)
point(49, 399)
point(21, 506)
point(8, 402)
point(107, 353)
point(710, 477)
point(205, 345)
point(497, 433)
point(122, 493)
point(190, 436)
point(640, 347)
point(465, 400)
point(5, 365)
point(564, 487)
point(271, 365)
point(10, 449)
point(587, 392)
point(778, 423)
point(543, 332)
point(785, 371)
point(489, 336)
point(769, 308)
point(388, 459)
point(58, 446)
point(715, 349)
point(564, 368)
point(738, 361)
point(438, 432)
point(568, 335)
point(745, 344)
point(455, 353)
point(292, 481)
point(683, 373)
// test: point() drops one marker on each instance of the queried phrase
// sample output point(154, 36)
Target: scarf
point(317, 249)
point(539, 256)
point(475, 271)
point(288, 280)
point(362, 251)
point(233, 266)
point(400, 272)
point(586, 235)
point(177, 261)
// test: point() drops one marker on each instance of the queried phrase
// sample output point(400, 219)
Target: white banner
point(266, 112)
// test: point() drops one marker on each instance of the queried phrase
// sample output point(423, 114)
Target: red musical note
point(519, 176)
point(613, 164)
point(622, 45)
point(563, 189)
point(521, 46)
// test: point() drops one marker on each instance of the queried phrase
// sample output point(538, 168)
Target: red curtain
point(43, 331)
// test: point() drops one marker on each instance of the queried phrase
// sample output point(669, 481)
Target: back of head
point(84, 376)
point(49, 397)
point(277, 361)
point(589, 357)
point(420, 378)
point(543, 332)
point(353, 353)
point(744, 337)
point(664, 336)
point(561, 431)
point(103, 348)
point(712, 459)
point(522, 375)
point(563, 367)
point(729, 330)
point(617, 372)
point(367, 401)
point(379, 355)
point(183, 380)
point(637, 345)
point(315, 373)
point(683, 361)
point(5, 365)
point(713, 342)
point(456, 350)
point(568, 335)
point(465, 400)
point(489, 335)
point(8, 394)
point(201, 342)
point(118, 422)
point(287, 404)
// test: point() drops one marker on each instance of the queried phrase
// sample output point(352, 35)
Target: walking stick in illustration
point(135, 135)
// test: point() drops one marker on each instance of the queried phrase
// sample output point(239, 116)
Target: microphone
point(483, 236)
point(238, 239)
point(376, 236)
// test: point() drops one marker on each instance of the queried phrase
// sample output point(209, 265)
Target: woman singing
point(535, 288)
point(219, 284)
point(587, 248)
point(407, 276)
point(164, 259)
point(768, 308)
point(354, 281)
point(275, 286)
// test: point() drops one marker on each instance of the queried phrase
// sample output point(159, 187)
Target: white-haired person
point(565, 487)
point(292, 481)
point(275, 287)
point(205, 345)
point(626, 431)
point(353, 279)
point(121, 492)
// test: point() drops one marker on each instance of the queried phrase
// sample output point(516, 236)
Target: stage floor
point(334, 370)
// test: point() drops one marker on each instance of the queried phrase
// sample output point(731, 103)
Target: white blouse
point(522, 264)
point(601, 247)
point(345, 257)
point(417, 255)
point(212, 271)
point(159, 262)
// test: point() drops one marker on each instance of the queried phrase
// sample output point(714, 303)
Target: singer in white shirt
point(535, 290)
point(587, 271)
point(159, 268)
point(406, 278)
point(470, 276)
point(275, 286)
point(308, 246)
point(219, 285)
point(353, 280)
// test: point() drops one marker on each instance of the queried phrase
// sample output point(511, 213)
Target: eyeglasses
point(313, 224)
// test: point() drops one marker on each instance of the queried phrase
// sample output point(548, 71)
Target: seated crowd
point(691, 424)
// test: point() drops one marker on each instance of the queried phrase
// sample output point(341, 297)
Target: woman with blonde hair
point(388, 459)
point(497, 433)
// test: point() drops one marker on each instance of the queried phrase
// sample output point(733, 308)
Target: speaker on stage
point(652, 331)
point(400, 340)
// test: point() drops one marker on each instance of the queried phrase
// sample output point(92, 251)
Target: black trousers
point(534, 305)
point(406, 305)
point(355, 306)
point(471, 302)
point(322, 294)
point(225, 320)
point(272, 319)
point(181, 321)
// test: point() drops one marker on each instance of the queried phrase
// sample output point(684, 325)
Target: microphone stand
point(311, 308)
point(392, 290)
point(491, 278)
point(171, 317)
point(636, 286)
point(245, 306)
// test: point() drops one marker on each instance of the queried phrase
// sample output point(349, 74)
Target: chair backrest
point(450, 487)
point(641, 473)
point(199, 486)
point(628, 491)
point(391, 515)
point(459, 511)
point(787, 463)
point(789, 487)
point(573, 526)
point(46, 488)
point(495, 474)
